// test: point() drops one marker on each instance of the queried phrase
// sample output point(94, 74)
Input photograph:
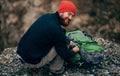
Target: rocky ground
point(11, 66)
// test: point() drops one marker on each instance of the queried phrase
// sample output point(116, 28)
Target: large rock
point(98, 17)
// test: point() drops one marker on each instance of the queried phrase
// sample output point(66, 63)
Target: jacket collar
point(58, 18)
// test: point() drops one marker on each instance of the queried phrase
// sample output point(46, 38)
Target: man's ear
point(60, 14)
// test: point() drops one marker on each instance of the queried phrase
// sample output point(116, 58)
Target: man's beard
point(63, 22)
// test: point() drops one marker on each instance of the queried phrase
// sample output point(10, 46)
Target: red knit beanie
point(67, 6)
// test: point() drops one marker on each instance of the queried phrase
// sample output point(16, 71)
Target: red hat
point(67, 6)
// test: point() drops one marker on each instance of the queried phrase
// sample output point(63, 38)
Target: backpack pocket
point(91, 57)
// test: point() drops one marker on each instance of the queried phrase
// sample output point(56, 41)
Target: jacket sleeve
point(60, 44)
point(68, 40)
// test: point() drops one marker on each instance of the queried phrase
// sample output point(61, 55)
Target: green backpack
point(90, 51)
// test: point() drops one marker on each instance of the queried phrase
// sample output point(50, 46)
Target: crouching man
point(45, 42)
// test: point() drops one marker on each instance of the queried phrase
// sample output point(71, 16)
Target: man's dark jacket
point(45, 33)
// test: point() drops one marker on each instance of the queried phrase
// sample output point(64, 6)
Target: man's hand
point(74, 49)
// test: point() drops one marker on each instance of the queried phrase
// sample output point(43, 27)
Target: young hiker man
point(45, 42)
